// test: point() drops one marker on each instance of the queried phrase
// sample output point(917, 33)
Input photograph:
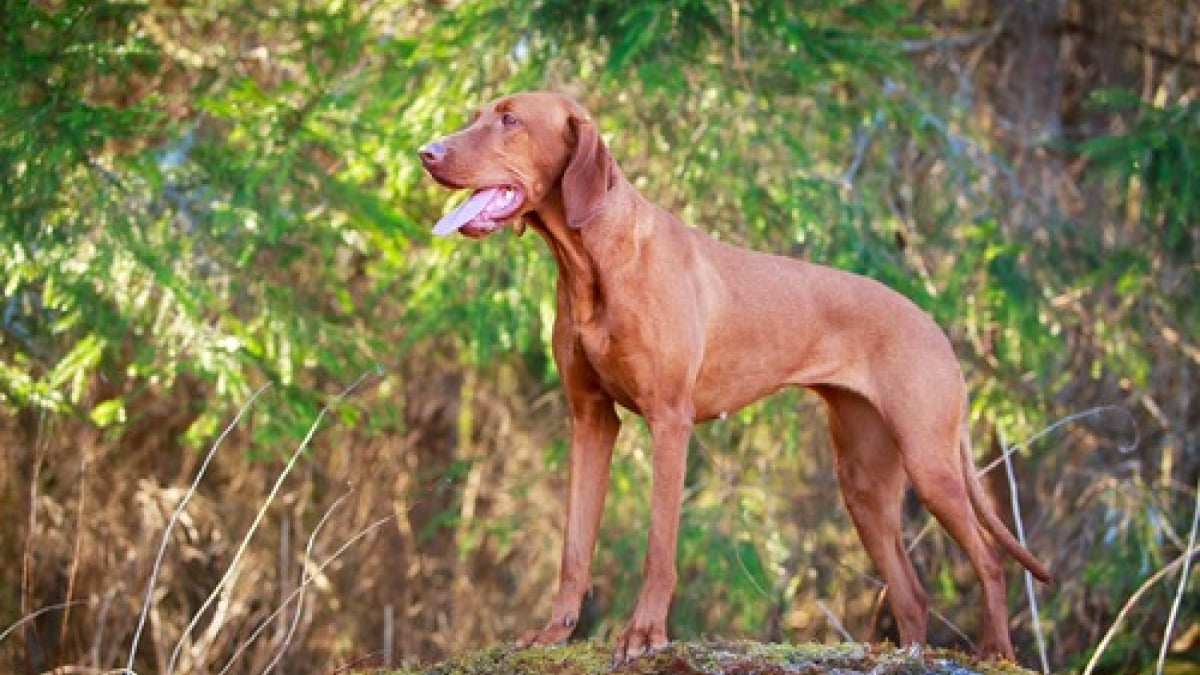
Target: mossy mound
point(718, 658)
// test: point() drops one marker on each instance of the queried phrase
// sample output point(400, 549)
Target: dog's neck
point(577, 273)
point(580, 272)
point(585, 256)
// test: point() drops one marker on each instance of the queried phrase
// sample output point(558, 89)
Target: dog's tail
point(991, 522)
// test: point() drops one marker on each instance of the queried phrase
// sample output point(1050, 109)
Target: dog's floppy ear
point(589, 175)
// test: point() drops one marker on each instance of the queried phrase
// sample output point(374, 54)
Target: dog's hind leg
point(934, 464)
point(872, 479)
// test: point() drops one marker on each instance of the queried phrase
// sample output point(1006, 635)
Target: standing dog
point(681, 328)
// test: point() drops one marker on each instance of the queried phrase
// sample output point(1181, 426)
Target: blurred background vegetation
point(203, 198)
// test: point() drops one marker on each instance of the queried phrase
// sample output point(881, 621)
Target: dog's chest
point(612, 356)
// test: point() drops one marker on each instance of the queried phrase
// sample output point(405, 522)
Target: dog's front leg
point(647, 629)
point(594, 427)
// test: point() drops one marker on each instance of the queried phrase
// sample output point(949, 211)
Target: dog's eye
point(508, 119)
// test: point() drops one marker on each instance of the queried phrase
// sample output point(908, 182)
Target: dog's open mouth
point(482, 212)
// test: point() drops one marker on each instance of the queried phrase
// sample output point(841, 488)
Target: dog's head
point(519, 154)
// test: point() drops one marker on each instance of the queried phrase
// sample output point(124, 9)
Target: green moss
point(716, 658)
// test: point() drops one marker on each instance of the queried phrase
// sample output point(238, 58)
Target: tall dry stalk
point(258, 518)
point(175, 514)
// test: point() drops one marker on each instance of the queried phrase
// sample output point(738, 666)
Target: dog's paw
point(557, 631)
point(637, 640)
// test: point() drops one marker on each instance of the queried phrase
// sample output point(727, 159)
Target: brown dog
point(681, 328)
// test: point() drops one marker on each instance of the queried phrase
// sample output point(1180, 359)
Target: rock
point(718, 658)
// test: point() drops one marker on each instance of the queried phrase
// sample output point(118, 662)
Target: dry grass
point(226, 598)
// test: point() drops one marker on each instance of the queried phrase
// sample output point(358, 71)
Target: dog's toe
point(637, 641)
point(556, 632)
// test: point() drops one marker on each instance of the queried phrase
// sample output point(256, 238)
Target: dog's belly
point(629, 374)
point(716, 399)
point(635, 367)
point(709, 403)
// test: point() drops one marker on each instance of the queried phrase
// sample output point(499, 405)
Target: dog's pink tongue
point(465, 213)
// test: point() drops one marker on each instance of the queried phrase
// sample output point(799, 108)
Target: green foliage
point(1160, 154)
point(1154, 166)
point(50, 124)
point(277, 169)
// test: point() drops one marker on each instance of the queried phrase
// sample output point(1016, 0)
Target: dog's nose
point(432, 153)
